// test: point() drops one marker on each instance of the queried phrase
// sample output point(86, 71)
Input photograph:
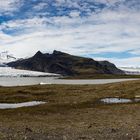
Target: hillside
point(65, 64)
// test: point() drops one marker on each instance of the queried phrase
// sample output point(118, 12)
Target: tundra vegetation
point(71, 112)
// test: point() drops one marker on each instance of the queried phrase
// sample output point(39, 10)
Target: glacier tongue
point(5, 71)
point(11, 72)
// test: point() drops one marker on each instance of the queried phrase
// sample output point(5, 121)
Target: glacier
point(5, 71)
point(131, 70)
point(12, 72)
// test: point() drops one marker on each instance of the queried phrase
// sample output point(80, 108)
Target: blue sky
point(101, 29)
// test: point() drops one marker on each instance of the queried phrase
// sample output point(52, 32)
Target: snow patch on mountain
point(131, 70)
point(6, 57)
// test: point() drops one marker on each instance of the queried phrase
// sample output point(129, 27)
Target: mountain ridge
point(6, 57)
point(65, 64)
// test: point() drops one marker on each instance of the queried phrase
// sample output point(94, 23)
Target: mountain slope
point(5, 57)
point(65, 64)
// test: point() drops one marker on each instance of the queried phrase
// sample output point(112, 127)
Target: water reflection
point(18, 105)
point(119, 100)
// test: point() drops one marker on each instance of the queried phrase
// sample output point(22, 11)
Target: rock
point(28, 130)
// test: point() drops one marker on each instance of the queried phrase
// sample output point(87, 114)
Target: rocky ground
point(71, 113)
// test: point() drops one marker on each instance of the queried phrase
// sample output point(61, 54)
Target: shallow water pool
point(24, 81)
point(18, 105)
point(119, 100)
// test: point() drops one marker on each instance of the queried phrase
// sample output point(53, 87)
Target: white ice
point(11, 72)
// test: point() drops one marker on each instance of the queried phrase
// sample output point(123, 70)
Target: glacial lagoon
point(23, 81)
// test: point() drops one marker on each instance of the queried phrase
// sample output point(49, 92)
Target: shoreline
point(29, 81)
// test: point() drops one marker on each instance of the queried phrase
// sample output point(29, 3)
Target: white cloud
point(129, 62)
point(7, 6)
point(74, 13)
point(103, 32)
point(40, 6)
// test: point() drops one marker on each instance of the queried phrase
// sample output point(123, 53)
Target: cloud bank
point(101, 29)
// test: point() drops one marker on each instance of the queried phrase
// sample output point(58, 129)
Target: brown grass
point(71, 112)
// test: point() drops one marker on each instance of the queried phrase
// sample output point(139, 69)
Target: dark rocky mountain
point(65, 64)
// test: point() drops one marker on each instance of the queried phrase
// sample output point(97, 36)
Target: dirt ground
point(71, 112)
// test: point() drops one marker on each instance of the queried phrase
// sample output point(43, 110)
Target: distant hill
point(131, 70)
point(65, 64)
